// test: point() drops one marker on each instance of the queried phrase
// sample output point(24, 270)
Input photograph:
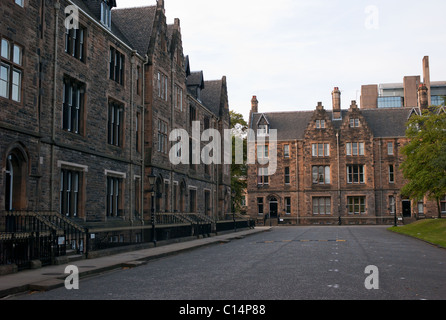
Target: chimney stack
point(423, 101)
point(336, 94)
point(427, 78)
point(254, 105)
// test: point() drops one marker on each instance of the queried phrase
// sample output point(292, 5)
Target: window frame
point(286, 151)
point(114, 196)
point(117, 65)
point(287, 175)
point(355, 202)
point(75, 42)
point(70, 189)
point(262, 176)
point(73, 108)
point(321, 171)
point(360, 174)
point(320, 150)
point(287, 202)
point(321, 202)
point(116, 129)
point(14, 70)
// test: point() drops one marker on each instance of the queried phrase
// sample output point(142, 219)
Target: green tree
point(239, 172)
point(425, 163)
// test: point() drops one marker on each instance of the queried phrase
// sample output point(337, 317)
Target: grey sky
point(291, 54)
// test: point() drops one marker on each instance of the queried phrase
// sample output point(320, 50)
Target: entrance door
point(406, 209)
point(273, 208)
point(15, 184)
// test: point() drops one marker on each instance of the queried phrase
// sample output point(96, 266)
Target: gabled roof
point(196, 78)
point(263, 116)
point(137, 25)
point(289, 125)
point(388, 122)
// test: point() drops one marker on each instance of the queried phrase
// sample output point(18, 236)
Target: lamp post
point(395, 224)
point(152, 181)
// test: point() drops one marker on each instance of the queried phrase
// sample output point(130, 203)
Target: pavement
point(52, 277)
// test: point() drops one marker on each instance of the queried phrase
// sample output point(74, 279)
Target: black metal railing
point(31, 235)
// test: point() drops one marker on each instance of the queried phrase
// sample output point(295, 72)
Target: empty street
point(289, 263)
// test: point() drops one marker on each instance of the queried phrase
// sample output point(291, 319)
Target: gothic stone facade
point(85, 113)
point(333, 166)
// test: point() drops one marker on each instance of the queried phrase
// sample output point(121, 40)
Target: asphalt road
point(287, 263)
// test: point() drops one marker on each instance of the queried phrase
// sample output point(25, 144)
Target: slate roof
point(211, 96)
point(384, 123)
point(196, 78)
point(136, 24)
point(289, 125)
point(93, 9)
point(387, 122)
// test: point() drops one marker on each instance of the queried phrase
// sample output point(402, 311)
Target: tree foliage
point(425, 163)
point(239, 172)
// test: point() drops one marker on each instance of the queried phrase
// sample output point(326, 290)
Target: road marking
point(302, 240)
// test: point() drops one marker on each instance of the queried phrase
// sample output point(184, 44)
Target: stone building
point(88, 96)
point(334, 166)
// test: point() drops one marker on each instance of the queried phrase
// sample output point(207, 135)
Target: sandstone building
point(86, 112)
point(334, 166)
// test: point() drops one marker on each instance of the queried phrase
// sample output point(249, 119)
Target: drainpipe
point(132, 174)
point(143, 126)
point(339, 177)
point(53, 132)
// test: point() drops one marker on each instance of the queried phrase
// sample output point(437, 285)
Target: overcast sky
point(291, 54)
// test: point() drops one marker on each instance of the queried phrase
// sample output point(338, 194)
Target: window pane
point(16, 85)
point(4, 81)
point(361, 148)
point(320, 150)
point(315, 174)
point(327, 175)
point(314, 150)
point(17, 58)
point(349, 149)
point(327, 150)
point(355, 149)
point(315, 206)
point(5, 49)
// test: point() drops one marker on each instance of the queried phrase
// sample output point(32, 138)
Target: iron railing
point(31, 235)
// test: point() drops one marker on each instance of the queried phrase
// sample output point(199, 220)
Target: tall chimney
point(427, 78)
point(423, 101)
point(336, 94)
point(254, 105)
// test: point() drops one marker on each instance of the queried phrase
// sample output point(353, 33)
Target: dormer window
point(263, 130)
point(106, 13)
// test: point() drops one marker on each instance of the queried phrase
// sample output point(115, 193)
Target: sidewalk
point(51, 277)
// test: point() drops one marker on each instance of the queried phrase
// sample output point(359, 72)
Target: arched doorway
point(15, 191)
point(273, 207)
